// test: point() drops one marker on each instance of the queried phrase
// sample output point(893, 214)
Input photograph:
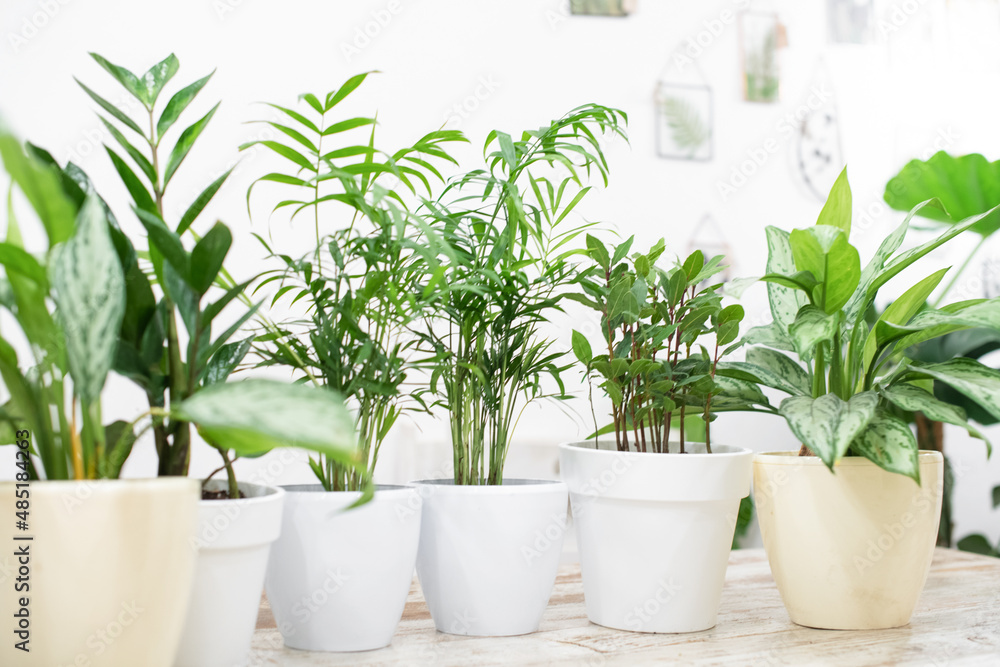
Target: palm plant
point(506, 250)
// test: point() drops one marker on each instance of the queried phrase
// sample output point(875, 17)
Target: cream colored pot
point(851, 550)
point(108, 571)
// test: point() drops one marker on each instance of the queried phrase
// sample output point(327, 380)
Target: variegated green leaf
point(255, 416)
point(930, 324)
point(888, 442)
point(782, 366)
point(742, 370)
point(785, 302)
point(89, 288)
point(969, 377)
point(914, 399)
point(771, 335)
point(740, 389)
point(811, 327)
point(828, 424)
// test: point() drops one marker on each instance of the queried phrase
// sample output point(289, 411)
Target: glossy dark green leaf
point(178, 103)
point(184, 144)
point(199, 204)
point(225, 361)
point(127, 79)
point(140, 195)
point(166, 242)
point(207, 257)
point(157, 76)
point(137, 156)
point(42, 186)
point(117, 113)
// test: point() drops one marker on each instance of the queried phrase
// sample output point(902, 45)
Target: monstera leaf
point(967, 185)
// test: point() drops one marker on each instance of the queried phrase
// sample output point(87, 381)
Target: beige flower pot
point(851, 550)
point(109, 571)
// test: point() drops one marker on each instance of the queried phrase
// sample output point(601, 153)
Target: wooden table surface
point(957, 622)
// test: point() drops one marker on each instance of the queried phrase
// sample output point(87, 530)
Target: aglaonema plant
point(170, 286)
point(361, 285)
point(69, 305)
point(850, 379)
point(653, 362)
point(506, 252)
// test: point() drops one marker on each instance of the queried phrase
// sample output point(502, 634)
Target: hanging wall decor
point(683, 121)
point(850, 21)
point(815, 150)
point(761, 35)
point(711, 240)
point(601, 7)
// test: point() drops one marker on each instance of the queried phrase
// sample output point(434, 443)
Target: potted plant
point(859, 502)
point(360, 288)
point(666, 509)
point(501, 265)
point(186, 383)
point(66, 494)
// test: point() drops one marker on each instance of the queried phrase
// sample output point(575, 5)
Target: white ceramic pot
point(108, 571)
point(654, 531)
point(233, 542)
point(489, 554)
point(338, 578)
point(848, 550)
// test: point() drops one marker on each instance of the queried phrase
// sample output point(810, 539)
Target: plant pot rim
point(584, 445)
point(514, 485)
point(792, 458)
point(311, 489)
point(271, 494)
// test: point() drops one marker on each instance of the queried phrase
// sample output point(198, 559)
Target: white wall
point(926, 83)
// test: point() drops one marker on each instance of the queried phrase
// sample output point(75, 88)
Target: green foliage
point(856, 381)
point(361, 286)
point(978, 544)
point(502, 265)
point(651, 320)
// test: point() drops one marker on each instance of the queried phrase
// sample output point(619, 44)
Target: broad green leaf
point(693, 264)
point(740, 389)
point(42, 186)
point(785, 302)
point(597, 251)
point(978, 544)
point(207, 257)
point(914, 399)
point(827, 425)
point(581, 348)
point(14, 258)
point(825, 252)
point(178, 103)
point(811, 327)
point(978, 382)
point(837, 210)
point(199, 204)
point(120, 437)
point(622, 301)
point(225, 361)
point(899, 312)
point(771, 335)
point(157, 76)
point(166, 242)
point(184, 144)
point(929, 324)
point(744, 370)
point(782, 366)
point(801, 280)
point(256, 416)
point(621, 250)
point(333, 99)
point(888, 442)
point(140, 195)
point(89, 290)
point(136, 155)
point(967, 185)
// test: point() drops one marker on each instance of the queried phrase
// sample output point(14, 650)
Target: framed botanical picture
point(761, 35)
point(850, 21)
point(683, 121)
point(708, 237)
point(601, 7)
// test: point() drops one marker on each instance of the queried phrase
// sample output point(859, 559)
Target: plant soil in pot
point(233, 542)
point(848, 550)
point(654, 531)
point(109, 569)
point(489, 554)
point(338, 578)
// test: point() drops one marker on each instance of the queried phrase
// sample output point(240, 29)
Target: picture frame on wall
point(601, 7)
point(850, 21)
point(761, 35)
point(684, 118)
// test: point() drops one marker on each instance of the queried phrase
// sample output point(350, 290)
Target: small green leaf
point(811, 327)
point(157, 76)
point(837, 210)
point(785, 302)
point(166, 242)
point(581, 348)
point(694, 264)
point(128, 80)
point(207, 257)
point(598, 252)
point(112, 109)
point(178, 103)
point(184, 144)
point(225, 361)
point(140, 195)
point(199, 204)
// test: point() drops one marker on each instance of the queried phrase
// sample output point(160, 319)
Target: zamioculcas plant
point(651, 321)
point(362, 283)
point(169, 286)
point(505, 267)
point(851, 380)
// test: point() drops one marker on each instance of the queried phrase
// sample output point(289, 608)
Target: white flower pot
point(233, 542)
point(489, 554)
point(108, 571)
point(848, 550)
point(654, 531)
point(338, 578)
